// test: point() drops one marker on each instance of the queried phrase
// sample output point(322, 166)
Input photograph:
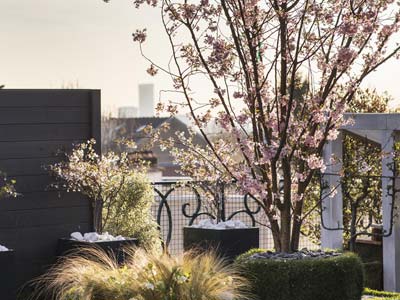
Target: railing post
point(222, 200)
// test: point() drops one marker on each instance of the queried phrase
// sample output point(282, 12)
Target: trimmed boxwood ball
point(334, 278)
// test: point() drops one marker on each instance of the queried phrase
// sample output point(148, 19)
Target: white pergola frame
point(385, 130)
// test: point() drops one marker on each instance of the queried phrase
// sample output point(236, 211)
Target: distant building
point(154, 173)
point(133, 129)
point(127, 112)
point(146, 100)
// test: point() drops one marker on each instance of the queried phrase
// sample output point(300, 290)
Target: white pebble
point(209, 224)
point(77, 236)
point(3, 248)
point(92, 237)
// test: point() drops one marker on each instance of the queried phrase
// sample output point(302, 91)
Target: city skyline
point(88, 44)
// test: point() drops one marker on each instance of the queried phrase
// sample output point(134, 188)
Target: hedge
point(378, 295)
point(335, 278)
point(373, 274)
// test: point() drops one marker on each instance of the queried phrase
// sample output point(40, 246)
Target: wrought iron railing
point(183, 204)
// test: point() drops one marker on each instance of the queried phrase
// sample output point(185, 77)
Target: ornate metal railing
point(183, 204)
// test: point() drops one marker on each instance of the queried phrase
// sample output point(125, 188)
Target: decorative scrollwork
point(192, 208)
point(164, 203)
point(250, 213)
point(197, 212)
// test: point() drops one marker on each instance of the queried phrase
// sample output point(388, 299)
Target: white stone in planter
point(231, 224)
point(77, 236)
point(93, 237)
point(3, 248)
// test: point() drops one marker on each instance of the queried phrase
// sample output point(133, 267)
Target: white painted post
point(332, 207)
point(391, 244)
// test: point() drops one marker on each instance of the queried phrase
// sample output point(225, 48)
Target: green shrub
point(336, 278)
point(120, 194)
point(382, 294)
point(373, 274)
point(129, 214)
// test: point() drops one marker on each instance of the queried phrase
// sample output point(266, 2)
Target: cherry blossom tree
point(251, 53)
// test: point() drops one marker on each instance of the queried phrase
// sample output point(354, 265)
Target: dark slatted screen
point(34, 126)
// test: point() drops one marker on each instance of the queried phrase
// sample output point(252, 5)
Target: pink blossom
point(310, 141)
point(140, 35)
point(316, 162)
point(318, 117)
point(332, 134)
point(242, 118)
point(349, 28)
point(345, 56)
point(152, 70)
point(224, 120)
point(237, 95)
point(138, 3)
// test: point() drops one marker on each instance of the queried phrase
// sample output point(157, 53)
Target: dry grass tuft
point(93, 275)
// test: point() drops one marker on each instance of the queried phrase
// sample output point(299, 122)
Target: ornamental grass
point(94, 275)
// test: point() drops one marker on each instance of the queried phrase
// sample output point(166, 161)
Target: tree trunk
point(97, 215)
point(353, 227)
point(285, 230)
point(296, 226)
point(275, 234)
point(285, 211)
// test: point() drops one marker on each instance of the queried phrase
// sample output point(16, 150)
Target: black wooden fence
point(34, 126)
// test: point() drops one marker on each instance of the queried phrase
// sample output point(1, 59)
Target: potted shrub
point(228, 238)
point(120, 196)
point(7, 256)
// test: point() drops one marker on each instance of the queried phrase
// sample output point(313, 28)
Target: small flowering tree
point(252, 53)
point(112, 184)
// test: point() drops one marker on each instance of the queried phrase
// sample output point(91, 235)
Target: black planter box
point(7, 275)
point(371, 253)
point(227, 243)
point(67, 246)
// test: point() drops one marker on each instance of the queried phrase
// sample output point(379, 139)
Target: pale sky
point(51, 43)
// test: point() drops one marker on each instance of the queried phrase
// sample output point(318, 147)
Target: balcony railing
point(183, 204)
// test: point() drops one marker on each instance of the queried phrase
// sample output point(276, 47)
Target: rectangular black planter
point(7, 275)
point(228, 243)
point(67, 246)
point(371, 253)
